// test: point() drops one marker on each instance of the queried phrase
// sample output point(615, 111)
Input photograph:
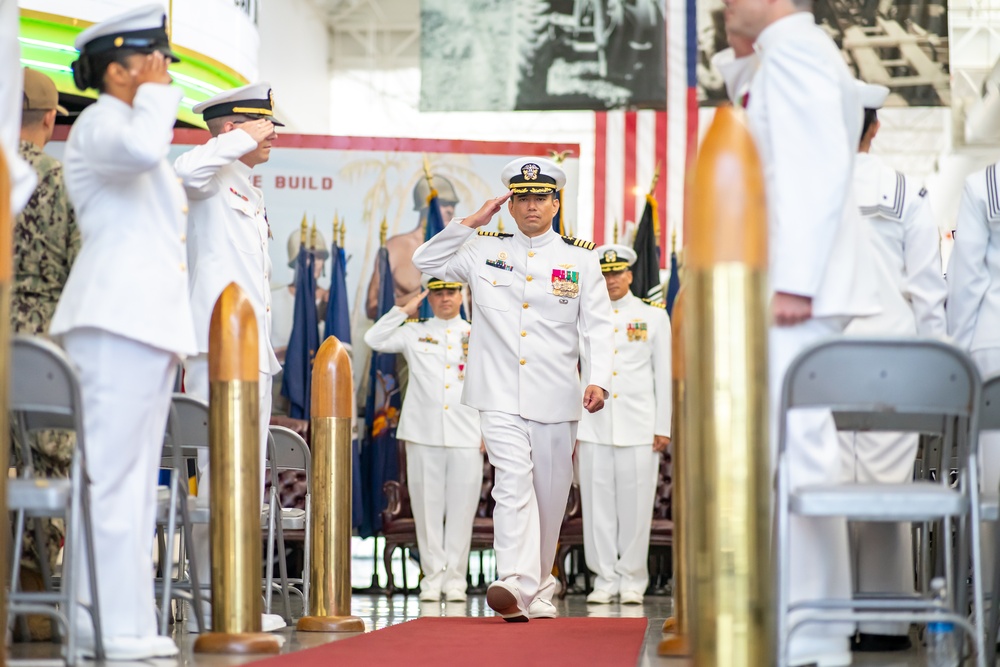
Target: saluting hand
point(483, 216)
point(413, 305)
point(593, 398)
point(259, 130)
point(153, 70)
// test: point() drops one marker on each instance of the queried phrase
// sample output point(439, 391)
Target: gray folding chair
point(186, 435)
point(45, 394)
point(286, 451)
point(911, 385)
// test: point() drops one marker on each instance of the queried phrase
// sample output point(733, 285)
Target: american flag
point(630, 144)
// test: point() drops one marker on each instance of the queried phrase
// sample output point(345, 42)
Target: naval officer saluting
point(539, 304)
point(620, 446)
point(124, 314)
point(228, 242)
point(444, 464)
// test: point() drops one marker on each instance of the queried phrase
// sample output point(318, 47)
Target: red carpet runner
point(482, 642)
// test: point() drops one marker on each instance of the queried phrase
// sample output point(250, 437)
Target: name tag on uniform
point(636, 331)
point(566, 283)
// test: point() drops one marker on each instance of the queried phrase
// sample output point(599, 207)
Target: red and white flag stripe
point(628, 147)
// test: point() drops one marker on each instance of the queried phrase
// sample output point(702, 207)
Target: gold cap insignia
point(270, 98)
point(530, 171)
point(119, 41)
point(610, 256)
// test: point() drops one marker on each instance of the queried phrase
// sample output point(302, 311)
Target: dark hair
point(871, 117)
point(89, 70)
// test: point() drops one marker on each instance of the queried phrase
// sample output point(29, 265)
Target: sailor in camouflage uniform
point(46, 241)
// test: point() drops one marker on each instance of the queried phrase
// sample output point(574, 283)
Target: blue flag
point(674, 284)
point(296, 384)
point(379, 453)
point(338, 315)
point(435, 223)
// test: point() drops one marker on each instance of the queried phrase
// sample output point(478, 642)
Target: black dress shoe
point(865, 643)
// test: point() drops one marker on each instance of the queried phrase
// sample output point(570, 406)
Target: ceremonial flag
point(379, 452)
point(296, 384)
point(674, 284)
point(338, 316)
point(646, 269)
point(435, 223)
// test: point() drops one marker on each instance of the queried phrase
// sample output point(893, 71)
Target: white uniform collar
point(773, 34)
point(443, 322)
point(535, 241)
point(624, 301)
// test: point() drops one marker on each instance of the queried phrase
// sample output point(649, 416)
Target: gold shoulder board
point(579, 243)
point(654, 304)
point(483, 232)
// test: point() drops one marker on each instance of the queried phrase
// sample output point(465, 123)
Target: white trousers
point(617, 490)
point(881, 553)
point(196, 385)
point(126, 387)
point(819, 565)
point(534, 471)
point(988, 361)
point(444, 485)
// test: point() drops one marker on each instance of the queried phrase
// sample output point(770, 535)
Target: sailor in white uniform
point(805, 117)
point(620, 446)
point(228, 242)
point(912, 292)
point(124, 314)
point(535, 293)
point(973, 311)
point(444, 462)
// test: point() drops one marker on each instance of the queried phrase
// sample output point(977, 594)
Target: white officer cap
point(615, 257)
point(431, 283)
point(142, 29)
point(871, 95)
point(533, 175)
point(255, 100)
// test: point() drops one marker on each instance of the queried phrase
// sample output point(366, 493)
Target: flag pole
point(383, 229)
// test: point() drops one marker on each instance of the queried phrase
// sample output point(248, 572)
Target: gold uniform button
point(447, 386)
point(616, 329)
point(529, 278)
point(523, 334)
point(616, 351)
point(494, 282)
point(448, 366)
point(184, 210)
point(616, 310)
point(184, 238)
point(446, 407)
point(183, 267)
point(614, 372)
point(614, 395)
point(449, 347)
point(524, 305)
point(531, 253)
point(523, 362)
point(447, 330)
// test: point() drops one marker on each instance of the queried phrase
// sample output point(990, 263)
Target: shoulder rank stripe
point(579, 243)
point(654, 304)
point(483, 232)
point(992, 200)
point(414, 320)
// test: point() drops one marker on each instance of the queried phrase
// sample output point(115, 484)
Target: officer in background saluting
point(444, 464)
point(539, 304)
point(620, 446)
point(124, 314)
point(228, 242)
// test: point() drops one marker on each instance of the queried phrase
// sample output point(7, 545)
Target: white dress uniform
point(125, 318)
point(227, 242)
point(444, 467)
point(912, 292)
point(806, 119)
point(531, 296)
point(974, 309)
point(618, 467)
